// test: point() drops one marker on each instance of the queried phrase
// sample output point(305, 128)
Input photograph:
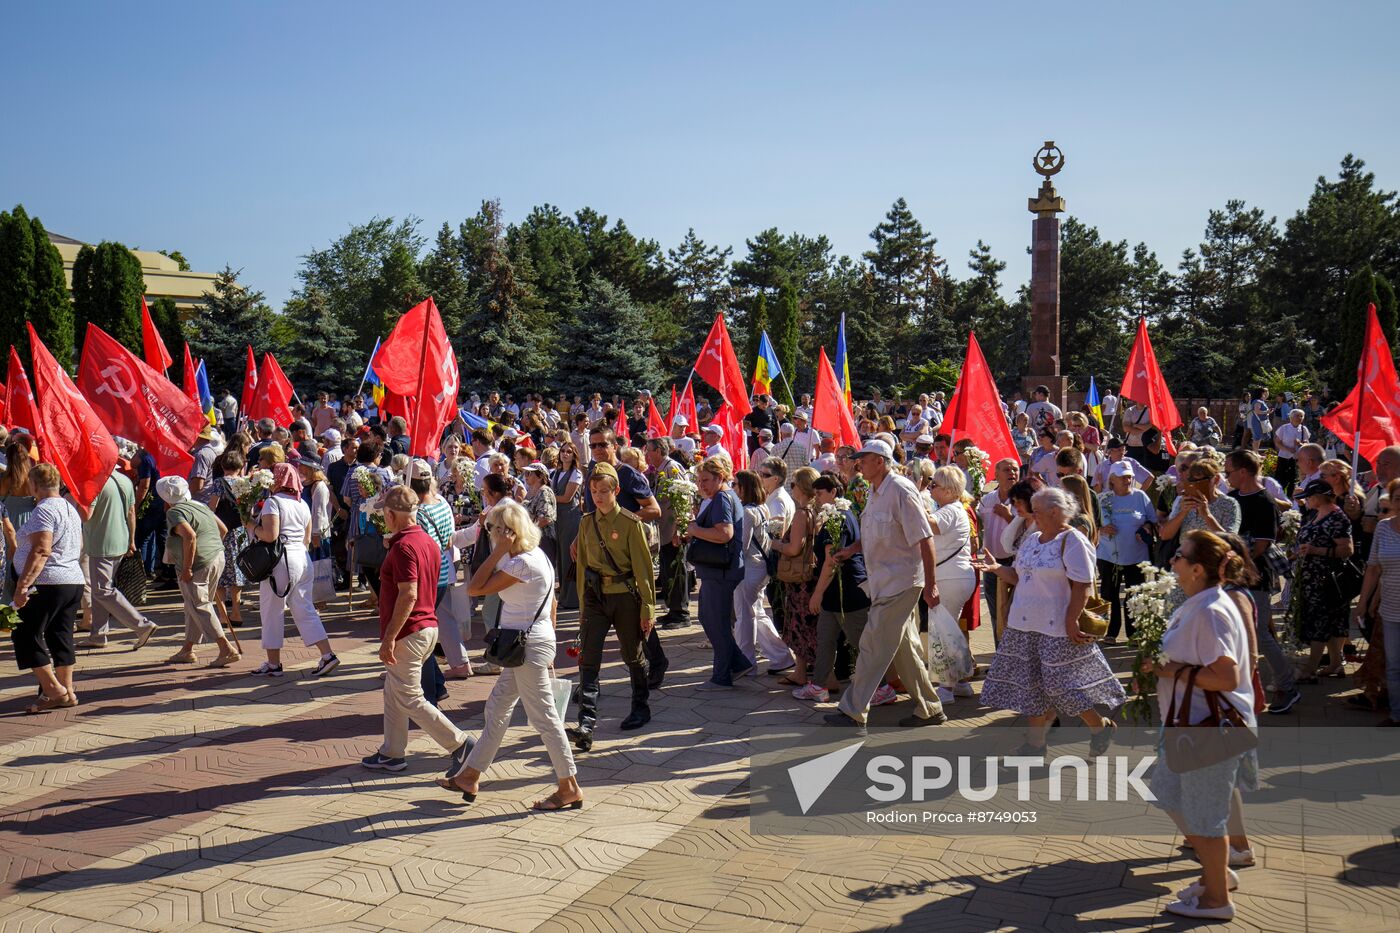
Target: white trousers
point(272, 608)
point(753, 625)
point(528, 685)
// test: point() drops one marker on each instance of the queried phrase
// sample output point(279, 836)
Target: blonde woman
point(953, 549)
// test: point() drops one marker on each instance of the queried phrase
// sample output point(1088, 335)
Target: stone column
point(1044, 368)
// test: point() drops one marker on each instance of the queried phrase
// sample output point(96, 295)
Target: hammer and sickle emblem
point(113, 385)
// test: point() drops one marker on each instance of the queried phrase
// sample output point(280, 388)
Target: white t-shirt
point(1288, 438)
point(520, 602)
point(781, 508)
point(293, 517)
point(58, 517)
point(1043, 415)
point(1202, 630)
point(951, 540)
point(825, 463)
point(483, 466)
point(1042, 590)
point(993, 524)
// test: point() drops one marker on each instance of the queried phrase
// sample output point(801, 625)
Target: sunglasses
point(599, 446)
point(1180, 556)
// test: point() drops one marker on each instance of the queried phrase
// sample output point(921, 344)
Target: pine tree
point(166, 318)
point(788, 325)
point(495, 337)
point(1095, 300)
point(17, 288)
point(231, 319)
point(596, 357)
point(107, 290)
point(317, 351)
point(1003, 329)
point(906, 272)
point(701, 277)
point(52, 311)
point(1365, 288)
point(757, 324)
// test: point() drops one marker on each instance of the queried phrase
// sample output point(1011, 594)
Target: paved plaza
point(185, 798)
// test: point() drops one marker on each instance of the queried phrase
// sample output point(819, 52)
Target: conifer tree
point(16, 279)
point(51, 312)
point(1364, 288)
point(595, 358)
point(788, 325)
point(107, 290)
point(231, 319)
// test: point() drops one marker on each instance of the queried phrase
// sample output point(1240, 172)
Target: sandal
point(554, 802)
point(792, 683)
point(47, 703)
point(451, 784)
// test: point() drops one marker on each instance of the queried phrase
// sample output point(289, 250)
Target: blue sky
point(250, 133)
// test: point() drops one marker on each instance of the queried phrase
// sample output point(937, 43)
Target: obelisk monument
point(1045, 278)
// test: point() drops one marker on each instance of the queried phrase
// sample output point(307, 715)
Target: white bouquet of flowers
point(1146, 605)
point(372, 507)
point(1288, 523)
point(976, 469)
point(250, 491)
point(678, 490)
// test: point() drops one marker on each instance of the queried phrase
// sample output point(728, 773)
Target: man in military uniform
point(616, 590)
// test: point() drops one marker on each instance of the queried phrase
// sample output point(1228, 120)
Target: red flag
point(190, 384)
point(620, 426)
point(157, 357)
point(719, 366)
point(1374, 404)
point(656, 427)
point(688, 409)
point(19, 398)
point(250, 383)
point(417, 360)
point(1144, 384)
point(830, 412)
point(273, 395)
point(2, 403)
point(975, 409)
point(70, 434)
point(134, 400)
point(728, 417)
point(671, 412)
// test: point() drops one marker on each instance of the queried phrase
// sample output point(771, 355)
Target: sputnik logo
point(811, 778)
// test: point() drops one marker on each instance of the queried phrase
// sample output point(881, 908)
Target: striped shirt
point(436, 520)
point(1385, 553)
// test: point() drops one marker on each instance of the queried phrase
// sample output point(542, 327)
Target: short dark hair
point(480, 436)
point(1246, 460)
point(830, 482)
point(777, 466)
point(368, 452)
point(607, 433)
point(499, 484)
point(1041, 390)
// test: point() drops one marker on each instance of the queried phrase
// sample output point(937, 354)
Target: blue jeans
point(717, 619)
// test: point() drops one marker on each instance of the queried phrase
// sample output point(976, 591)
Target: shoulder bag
point(802, 566)
point(1093, 618)
point(712, 554)
point(506, 646)
point(1222, 735)
point(258, 560)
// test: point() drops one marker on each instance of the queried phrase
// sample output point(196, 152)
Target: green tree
point(17, 287)
point(496, 336)
point(107, 290)
point(231, 319)
point(908, 279)
point(315, 349)
point(1095, 302)
point(179, 258)
point(788, 325)
point(595, 358)
point(1003, 329)
point(1347, 224)
point(52, 310)
point(349, 273)
point(757, 324)
point(1365, 288)
point(396, 289)
point(700, 274)
point(166, 317)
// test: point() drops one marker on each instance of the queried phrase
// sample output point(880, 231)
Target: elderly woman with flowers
point(1046, 663)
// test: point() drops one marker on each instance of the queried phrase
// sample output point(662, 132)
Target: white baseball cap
point(877, 447)
point(1121, 468)
point(681, 420)
point(715, 430)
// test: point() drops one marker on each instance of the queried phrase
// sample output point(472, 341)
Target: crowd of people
point(841, 568)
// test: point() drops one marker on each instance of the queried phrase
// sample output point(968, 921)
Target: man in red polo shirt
point(407, 635)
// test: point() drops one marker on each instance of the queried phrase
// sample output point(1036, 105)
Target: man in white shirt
point(897, 542)
point(679, 439)
point(1287, 440)
point(826, 460)
point(764, 448)
point(1108, 404)
point(481, 451)
point(713, 438)
point(994, 512)
point(804, 408)
point(1042, 412)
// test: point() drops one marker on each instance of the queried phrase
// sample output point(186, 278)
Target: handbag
point(1222, 735)
point(506, 646)
point(369, 547)
point(1093, 618)
point(1344, 584)
point(710, 554)
point(131, 579)
point(802, 566)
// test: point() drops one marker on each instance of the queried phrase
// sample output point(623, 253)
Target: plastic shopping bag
point(460, 605)
point(563, 691)
point(322, 581)
point(949, 658)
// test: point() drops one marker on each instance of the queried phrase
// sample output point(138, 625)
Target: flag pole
point(368, 367)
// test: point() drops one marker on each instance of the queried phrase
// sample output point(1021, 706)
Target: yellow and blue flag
point(206, 398)
point(1092, 400)
point(843, 364)
point(376, 388)
point(767, 368)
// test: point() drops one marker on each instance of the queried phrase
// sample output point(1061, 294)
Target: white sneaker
point(1241, 858)
point(1195, 889)
point(945, 696)
point(811, 691)
point(1190, 907)
point(884, 696)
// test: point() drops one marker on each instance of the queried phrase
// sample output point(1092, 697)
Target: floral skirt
point(235, 541)
point(799, 628)
point(1034, 674)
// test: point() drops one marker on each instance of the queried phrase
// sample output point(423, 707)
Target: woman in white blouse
point(1045, 663)
point(521, 575)
point(953, 548)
